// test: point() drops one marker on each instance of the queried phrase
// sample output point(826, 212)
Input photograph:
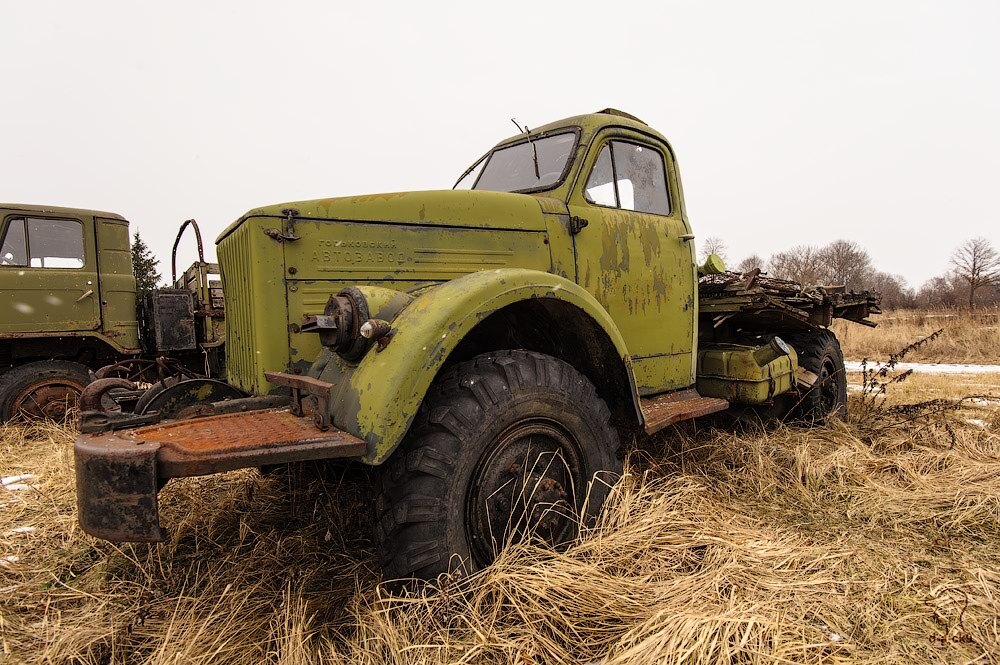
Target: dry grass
point(969, 337)
point(847, 543)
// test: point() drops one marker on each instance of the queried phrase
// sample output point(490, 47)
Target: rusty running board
point(118, 474)
point(664, 410)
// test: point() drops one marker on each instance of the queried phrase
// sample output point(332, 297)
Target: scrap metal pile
point(751, 300)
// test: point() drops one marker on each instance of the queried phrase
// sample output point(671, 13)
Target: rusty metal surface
point(238, 440)
point(118, 474)
point(173, 400)
point(173, 252)
point(93, 394)
point(116, 488)
point(310, 396)
point(306, 384)
point(665, 410)
point(754, 300)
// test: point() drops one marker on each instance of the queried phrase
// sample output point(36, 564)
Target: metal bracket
point(309, 396)
point(287, 234)
point(577, 224)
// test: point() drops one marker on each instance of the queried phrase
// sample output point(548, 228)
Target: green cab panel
point(638, 265)
point(378, 398)
point(118, 299)
point(66, 272)
point(48, 273)
point(253, 278)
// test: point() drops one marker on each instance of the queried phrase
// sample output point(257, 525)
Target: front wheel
point(509, 445)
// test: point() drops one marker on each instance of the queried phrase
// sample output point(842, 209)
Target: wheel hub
point(523, 487)
point(47, 399)
point(828, 389)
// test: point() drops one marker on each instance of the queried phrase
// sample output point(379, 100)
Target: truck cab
point(68, 302)
point(616, 182)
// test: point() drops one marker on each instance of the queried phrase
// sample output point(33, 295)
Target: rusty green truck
point(489, 346)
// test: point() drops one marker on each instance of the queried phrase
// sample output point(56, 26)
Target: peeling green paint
point(379, 398)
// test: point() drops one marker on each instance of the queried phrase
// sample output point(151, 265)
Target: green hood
point(457, 208)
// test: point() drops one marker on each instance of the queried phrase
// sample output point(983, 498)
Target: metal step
point(236, 440)
point(662, 411)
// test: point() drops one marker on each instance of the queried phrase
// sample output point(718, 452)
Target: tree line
point(972, 280)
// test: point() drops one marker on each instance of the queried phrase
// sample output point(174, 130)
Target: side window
point(600, 187)
point(469, 179)
point(43, 243)
point(635, 176)
point(14, 251)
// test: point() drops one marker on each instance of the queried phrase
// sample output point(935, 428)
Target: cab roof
point(590, 123)
point(57, 210)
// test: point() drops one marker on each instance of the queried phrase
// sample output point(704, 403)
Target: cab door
point(48, 275)
point(631, 256)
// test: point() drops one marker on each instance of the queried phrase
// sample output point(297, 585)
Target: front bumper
point(119, 474)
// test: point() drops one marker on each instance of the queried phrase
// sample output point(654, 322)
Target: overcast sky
point(794, 122)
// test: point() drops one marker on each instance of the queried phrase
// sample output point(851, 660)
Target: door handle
point(86, 294)
point(687, 237)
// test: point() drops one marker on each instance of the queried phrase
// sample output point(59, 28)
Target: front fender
point(380, 397)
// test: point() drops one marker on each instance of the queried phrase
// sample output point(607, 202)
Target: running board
point(662, 411)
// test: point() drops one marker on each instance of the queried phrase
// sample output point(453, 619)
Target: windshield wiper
point(534, 150)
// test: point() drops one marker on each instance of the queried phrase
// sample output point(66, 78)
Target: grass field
point(968, 337)
point(874, 540)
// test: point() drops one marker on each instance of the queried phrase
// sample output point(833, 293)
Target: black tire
point(477, 421)
point(43, 389)
point(820, 353)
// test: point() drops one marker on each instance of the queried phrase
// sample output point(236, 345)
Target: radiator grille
point(236, 264)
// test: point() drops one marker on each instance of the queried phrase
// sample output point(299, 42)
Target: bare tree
point(940, 291)
point(750, 262)
point(799, 264)
point(977, 264)
point(894, 290)
point(713, 245)
point(846, 263)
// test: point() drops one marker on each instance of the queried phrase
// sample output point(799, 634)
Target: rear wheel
point(509, 445)
point(820, 354)
point(46, 389)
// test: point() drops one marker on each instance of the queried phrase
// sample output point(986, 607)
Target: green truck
point(68, 307)
point(489, 347)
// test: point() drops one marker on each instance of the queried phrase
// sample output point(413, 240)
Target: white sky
point(794, 122)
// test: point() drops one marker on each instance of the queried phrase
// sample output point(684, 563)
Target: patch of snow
point(930, 368)
point(13, 480)
point(984, 401)
point(977, 422)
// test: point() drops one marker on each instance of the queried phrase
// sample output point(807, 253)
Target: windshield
point(513, 168)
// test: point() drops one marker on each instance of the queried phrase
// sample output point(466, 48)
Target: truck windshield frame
point(513, 168)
